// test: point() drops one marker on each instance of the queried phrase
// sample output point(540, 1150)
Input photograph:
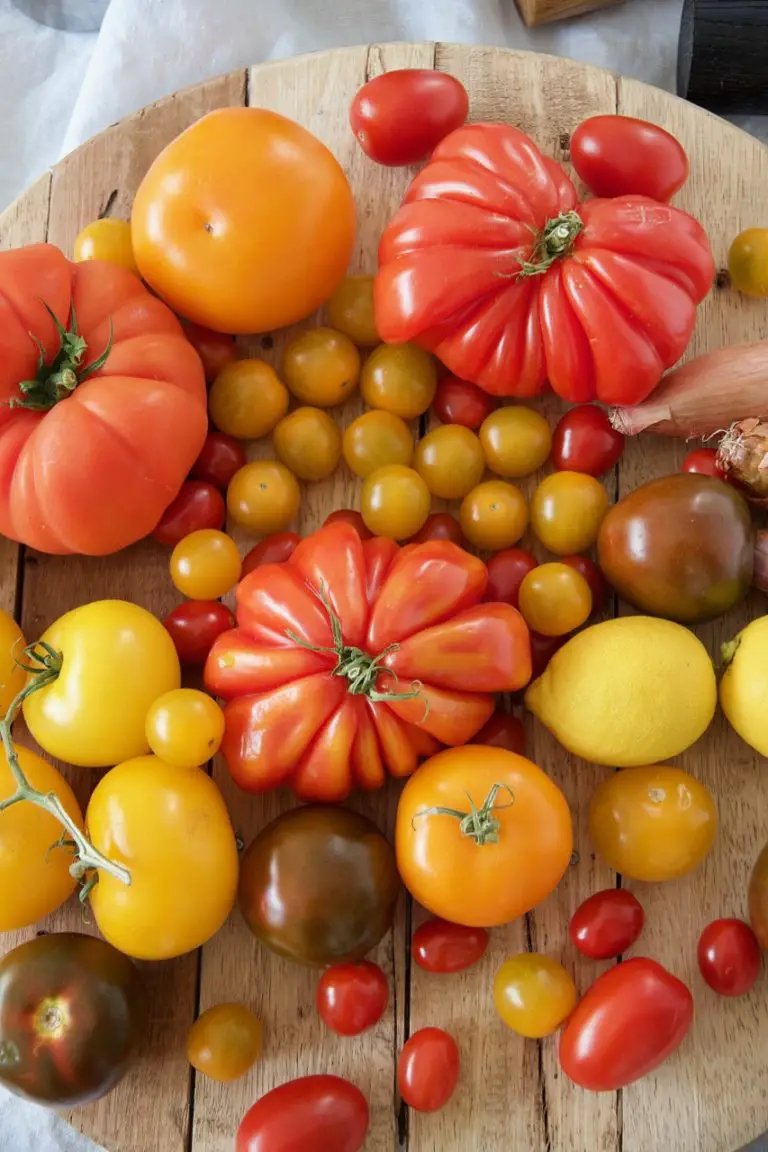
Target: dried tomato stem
point(555, 241)
point(479, 824)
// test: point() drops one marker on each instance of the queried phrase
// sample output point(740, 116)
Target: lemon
point(627, 692)
point(744, 686)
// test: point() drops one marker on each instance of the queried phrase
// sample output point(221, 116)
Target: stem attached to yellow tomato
point(479, 824)
point(44, 665)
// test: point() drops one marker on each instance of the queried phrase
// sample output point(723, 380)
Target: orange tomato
point(224, 1042)
point(494, 515)
point(244, 223)
point(247, 399)
point(263, 496)
point(308, 443)
point(497, 866)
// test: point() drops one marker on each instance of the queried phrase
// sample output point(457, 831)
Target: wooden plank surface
point(536, 12)
point(712, 1095)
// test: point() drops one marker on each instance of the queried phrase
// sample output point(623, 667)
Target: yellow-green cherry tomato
point(185, 727)
point(308, 443)
point(516, 441)
point(394, 502)
point(450, 460)
point(399, 378)
point(376, 439)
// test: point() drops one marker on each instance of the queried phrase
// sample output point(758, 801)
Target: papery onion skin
point(743, 457)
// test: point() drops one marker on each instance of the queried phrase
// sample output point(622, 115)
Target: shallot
point(743, 456)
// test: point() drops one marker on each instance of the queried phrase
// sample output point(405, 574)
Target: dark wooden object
point(722, 60)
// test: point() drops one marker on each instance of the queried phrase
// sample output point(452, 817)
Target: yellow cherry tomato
point(533, 994)
point(376, 439)
point(748, 262)
point(116, 659)
point(321, 367)
point(450, 459)
point(399, 378)
point(654, 823)
point(247, 399)
point(516, 441)
point(185, 727)
point(12, 675)
point(108, 240)
point(494, 515)
point(350, 311)
point(170, 828)
point(263, 496)
point(567, 510)
point(205, 565)
point(308, 442)
point(394, 501)
point(554, 599)
point(224, 1042)
point(34, 876)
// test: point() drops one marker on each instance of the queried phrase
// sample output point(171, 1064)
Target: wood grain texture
point(536, 12)
point(711, 1096)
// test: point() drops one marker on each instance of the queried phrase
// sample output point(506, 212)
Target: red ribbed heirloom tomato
point(352, 660)
point(493, 264)
point(95, 371)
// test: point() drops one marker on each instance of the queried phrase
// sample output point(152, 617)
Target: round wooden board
point(712, 1096)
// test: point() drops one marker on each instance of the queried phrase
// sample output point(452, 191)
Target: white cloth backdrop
point(59, 88)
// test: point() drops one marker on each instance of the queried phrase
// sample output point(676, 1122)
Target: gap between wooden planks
point(708, 1097)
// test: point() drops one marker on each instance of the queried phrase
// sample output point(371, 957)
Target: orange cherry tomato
point(273, 549)
point(533, 994)
point(450, 460)
point(308, 442)
point(321, 367)
point(567, 510)
point(516, 441)
point(399, 378)
point(215, 349)
point(555, 599)
point(494, 515)
point(350, 311)
point(247, 399)
point(395, 502)
point(224, 1042)
point(376, 439)
point(264, 496)
point(205, 565)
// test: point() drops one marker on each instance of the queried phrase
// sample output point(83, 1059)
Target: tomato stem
point(43, 663)
point(55, 381)
point(554, 241)
point(479, 824)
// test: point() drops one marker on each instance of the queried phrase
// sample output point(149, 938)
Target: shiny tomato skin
point(440, 526)
point(584, 441)
point(224, 1042)
point(215, 349)
point(543, 649)
point(502, 731)
point(593, 576)
point(506, 572)
point(194, 625)
point(400, 116)
point(428, 1069)
point(322, 1112)
point(439, 946)
point(606, 923)
point(623, 156)
point(628, 1022)
point(459, 402)
point(273, 549)
point(729, 957)
point(704, 462)
point(353, 518)
point(198, 505)
point(220, 457)
point(352, 997)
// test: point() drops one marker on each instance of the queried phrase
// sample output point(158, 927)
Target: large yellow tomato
point(34, 877)
point(12, 676)
point(170, 828)
point(116, 660)
point(244, 223)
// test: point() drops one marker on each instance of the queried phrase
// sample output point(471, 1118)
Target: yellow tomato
point(533, 994)
point(350, 310)
point(321, 367)
point(554, 599)
point(34, 876)
point(12, 675)
point(185, 727)
point(116, 660)
point(450, 459)
point(170, 828)
point(652, 823)
point(224, 1042)
point(308, 442)
point(263, 496)
point(247, 399)
point(567, 510)
point(399, 378)
point(748, 262)
point(376, 439)
point(205, 565)
point(395, 502)
point(516, 441)
point(494, 515)
point(108, 240)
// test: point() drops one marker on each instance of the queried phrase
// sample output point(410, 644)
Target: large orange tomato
point(94, 372)
point(482, 835)
point(244, 223)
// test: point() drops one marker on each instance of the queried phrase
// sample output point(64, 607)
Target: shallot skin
point(743, 457)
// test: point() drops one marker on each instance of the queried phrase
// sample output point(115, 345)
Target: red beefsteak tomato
point(102, 404)
point(493, 264)
point(351, 660)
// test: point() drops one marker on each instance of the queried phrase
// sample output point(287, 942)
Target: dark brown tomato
point(758, 898)
point(681, 547)
point(71, 1011)
point(319, 885)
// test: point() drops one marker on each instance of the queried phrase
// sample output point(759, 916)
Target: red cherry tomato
point(313, 1112)
point(506, 572)
point(399, 117)
point(273, 549)
point(194, 625)
point(440, 526)
point(198, 505)
point(439, 946)
point(214, 349)
point(220, 457)
point(352, 997)
point(607, 923)
point(622, 156)
point(502, 731)
point(703, 461)
point(584, 441)
point(349, 516)
point(729, 957)
point(428, 1069)
point(459, 402)
point(543, 649)
point(593, 577)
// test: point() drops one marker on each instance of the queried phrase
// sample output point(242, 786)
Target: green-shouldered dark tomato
point(71, 1010)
